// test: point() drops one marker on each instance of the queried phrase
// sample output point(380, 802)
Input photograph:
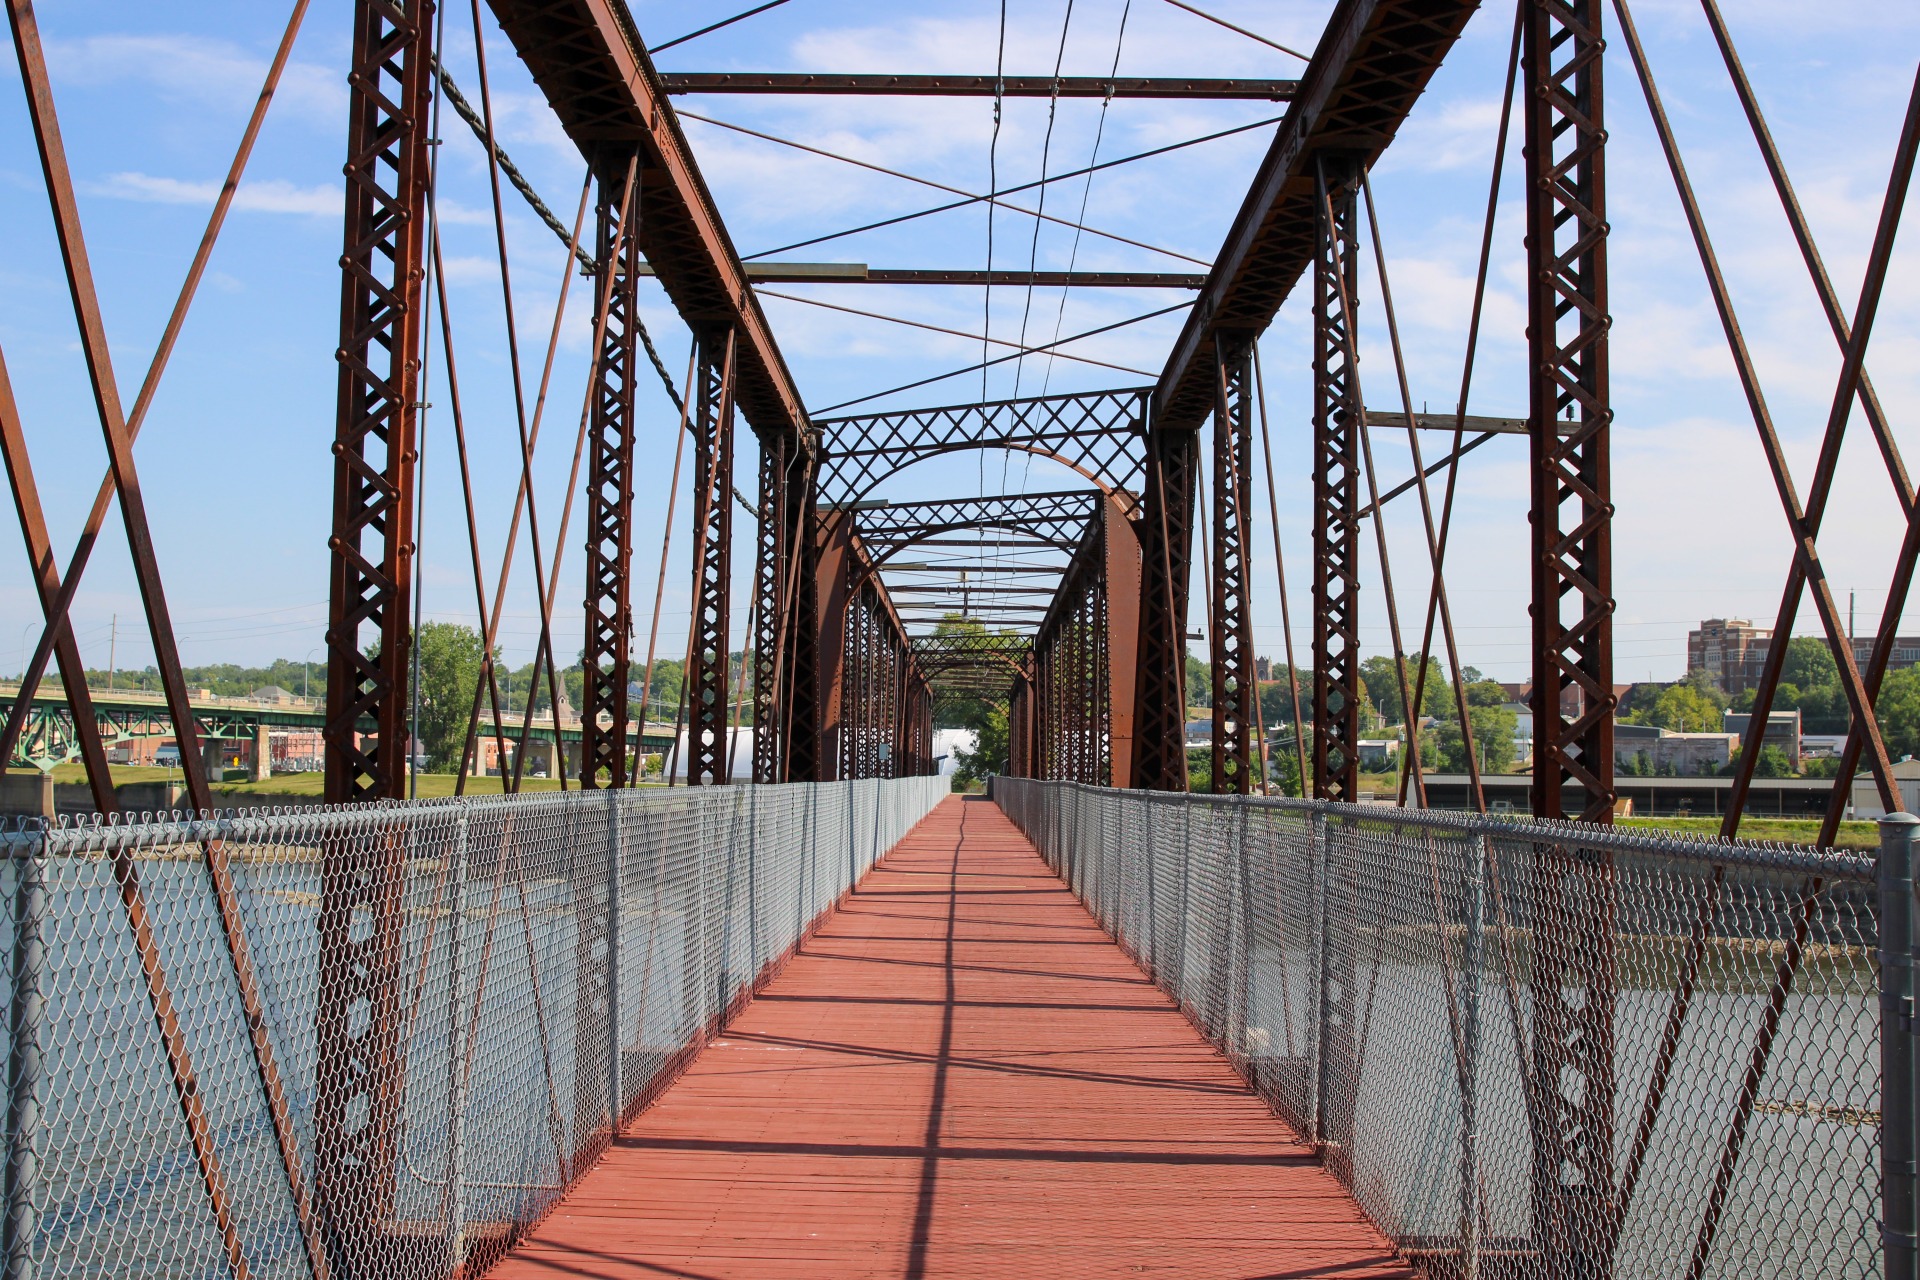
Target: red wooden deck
point(960, 1075)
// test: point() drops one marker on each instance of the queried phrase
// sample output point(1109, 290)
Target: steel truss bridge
point(1086, 636)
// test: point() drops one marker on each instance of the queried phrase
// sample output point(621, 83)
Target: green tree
point(449, 656)
point(1443, 749)
point(1809, 663)
point(988, 755)
point(1773, 763)
point(1276, 696)
point(1199, 682)
point(1199, 770)
point(1382, 684)
point(1899, 710)
point(1702, 682)
point(1683, 708)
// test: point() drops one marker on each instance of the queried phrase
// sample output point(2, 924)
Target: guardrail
point(213, 1067)
point(1538, 1049)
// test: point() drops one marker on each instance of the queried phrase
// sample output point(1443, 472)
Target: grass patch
point(432, 786)
point(1852, 835)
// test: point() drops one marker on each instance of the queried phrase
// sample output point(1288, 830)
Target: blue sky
point(235, 458)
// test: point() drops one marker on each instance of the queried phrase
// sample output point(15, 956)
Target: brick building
point(1734, 650)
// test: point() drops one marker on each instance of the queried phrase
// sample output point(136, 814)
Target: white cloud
point(268, 195)
point(202, 70)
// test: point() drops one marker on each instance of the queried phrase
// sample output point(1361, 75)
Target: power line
point(724, 22)
point(955, 373)
point(969, 197)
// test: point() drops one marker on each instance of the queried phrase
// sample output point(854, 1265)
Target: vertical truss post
point(382, 268)
point(1569, 414)
point(1337, 421)
point(1120, 545)
point(707, 753)
point(1019, 716)
point(800, 700)
point(1574, 982)
point(781, 528)
point(1166, 553)
point(1231, 628)
point(609, 638)
point(357, 1015)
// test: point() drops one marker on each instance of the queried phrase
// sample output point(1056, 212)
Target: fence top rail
point(94, 834)
point(1831, 864)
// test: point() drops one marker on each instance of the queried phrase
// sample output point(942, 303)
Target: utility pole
point(113, 645)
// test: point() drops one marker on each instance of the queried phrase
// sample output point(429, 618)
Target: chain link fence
point(379, 1041)
point(1528, 1049)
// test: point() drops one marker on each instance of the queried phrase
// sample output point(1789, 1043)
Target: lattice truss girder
point(1231, 628)
point(357, 1012)
point(1575, 1211)
point(1072, 729)
point(1058, 519)
point(779, 565)
point(879, 669)
point(708, 740)
point(1098, 434)
point(608, 658)
point(1337, 420)
point(381, 266)
point(1166, 558)
point(1567, 326)
point(971, 665)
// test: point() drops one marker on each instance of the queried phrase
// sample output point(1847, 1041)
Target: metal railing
point(255, 1080)
point(1536, 1049)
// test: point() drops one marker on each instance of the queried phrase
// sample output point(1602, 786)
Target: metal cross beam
point(861, 273)
point(1098, 434)
point(1162, 87)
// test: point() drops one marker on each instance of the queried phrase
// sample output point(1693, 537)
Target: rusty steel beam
point(937, 86)
point(1372, 63)
point(1166, 557)
point(708, 661)
point(1337, 419)
point(1230, 629)
point(357, 1016)
point(607, 658)
point(382, 268)
point(1575, 984)
point(861, 273)
point(595, 72)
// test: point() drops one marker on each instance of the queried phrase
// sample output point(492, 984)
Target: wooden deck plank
point(960, 1075)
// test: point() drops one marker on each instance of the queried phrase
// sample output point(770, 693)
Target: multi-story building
point(1734, 650)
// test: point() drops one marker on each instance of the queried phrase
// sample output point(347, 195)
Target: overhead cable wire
point(934, 328)
point(707, 30)
point(1251, 35)
point(1046, 151)
point(970, 198)
point(993, 180)
point(1086, 192)
point(955, 373)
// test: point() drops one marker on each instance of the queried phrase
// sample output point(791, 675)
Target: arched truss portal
point(1058, 519)
point(1101, 435)
point(972, 665)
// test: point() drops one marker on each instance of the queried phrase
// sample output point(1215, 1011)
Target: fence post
point(1897, 1154)
point(614, 862)
point(1317, 842)
point(456, 1041)
point(23, 1066)
point(1481, 847)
